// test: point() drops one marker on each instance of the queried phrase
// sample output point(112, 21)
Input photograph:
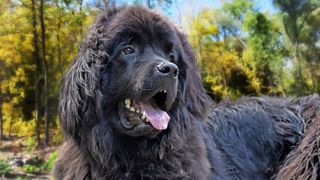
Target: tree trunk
point(45, 68)
point(10, 126)
point(298, 60)
point(37, 75)
point(60, 66)
point(81, 23)
point(59, 46)
point(313, 78)
point(200, 61)
point(1, 115)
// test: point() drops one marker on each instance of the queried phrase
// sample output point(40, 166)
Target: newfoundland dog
point(132, 106)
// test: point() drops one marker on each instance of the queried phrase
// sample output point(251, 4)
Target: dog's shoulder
point(71, 163)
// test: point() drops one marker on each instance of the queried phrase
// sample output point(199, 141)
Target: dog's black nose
point(168, 69)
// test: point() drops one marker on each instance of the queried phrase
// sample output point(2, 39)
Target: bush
point(37, 166)
point(57, 137)
point(4, 168)
point(48, 165)
point(31, 169)
point(30, 144)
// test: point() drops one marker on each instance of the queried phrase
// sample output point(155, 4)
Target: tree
point(263, 54)
point(1, 101)
point(223, 72)
point(16, 68)
point(310, 40)
point(202, 29)
point(45, 68)
point(37, 42)
point(231, 17)
point(37, 63)
point(295, 15)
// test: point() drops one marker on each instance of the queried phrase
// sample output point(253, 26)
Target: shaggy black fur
point(246, 139)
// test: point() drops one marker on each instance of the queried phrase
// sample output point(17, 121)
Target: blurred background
point(244, 47)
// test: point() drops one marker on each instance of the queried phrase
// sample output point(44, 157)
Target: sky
point(263, 5)
point(182, 8)
point(195, 6)
point(192, 7)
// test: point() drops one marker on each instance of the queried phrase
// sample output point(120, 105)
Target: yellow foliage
point(13, 121)
point(221, 65)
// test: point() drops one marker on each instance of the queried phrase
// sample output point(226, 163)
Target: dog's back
point(254, 135)
point(304, 161)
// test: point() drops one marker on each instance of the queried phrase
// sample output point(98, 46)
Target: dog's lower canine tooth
point(127, 102)
point(137, 111)
point(165, 91)
point(132, 109)
point(143, 115)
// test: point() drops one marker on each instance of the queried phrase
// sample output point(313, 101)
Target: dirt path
point(12, 152)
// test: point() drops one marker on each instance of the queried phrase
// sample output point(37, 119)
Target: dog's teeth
point(132, 109)
point(163, 91)
point(127, 102)
point(127, 106)
point(143, 115)
point(137, 111)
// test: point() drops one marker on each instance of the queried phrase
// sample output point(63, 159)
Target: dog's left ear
point(80, 96)
point(195, 97)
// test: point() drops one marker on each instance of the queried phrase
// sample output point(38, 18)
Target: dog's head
point(135, 70)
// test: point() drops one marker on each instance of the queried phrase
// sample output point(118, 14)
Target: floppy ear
point(79, 92)
point(196, 99)
point(80, 95)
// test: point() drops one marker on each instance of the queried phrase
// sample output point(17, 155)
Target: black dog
point(132, 107)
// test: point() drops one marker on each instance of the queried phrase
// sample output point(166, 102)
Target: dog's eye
point(171, 57)
point(128, 50)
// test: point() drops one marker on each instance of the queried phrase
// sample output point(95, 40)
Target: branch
point(234, 35)
point(13, 32)
point(305, 18)
point(24, 4)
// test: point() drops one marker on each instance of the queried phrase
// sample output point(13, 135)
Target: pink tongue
point(159, 119)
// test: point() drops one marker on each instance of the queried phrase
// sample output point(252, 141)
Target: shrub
point(48, 165)
point(30, 144)
point(57, 137)
point(4, 168)
point(31, 169)
point(37, 166)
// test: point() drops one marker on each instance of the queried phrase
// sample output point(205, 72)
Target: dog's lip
point(149, 113)
point(148, 97)
point(138, 128)
point(129, 124)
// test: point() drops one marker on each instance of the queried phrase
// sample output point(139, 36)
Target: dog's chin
point(145, 117)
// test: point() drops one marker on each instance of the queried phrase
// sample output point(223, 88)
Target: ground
point(24, 159)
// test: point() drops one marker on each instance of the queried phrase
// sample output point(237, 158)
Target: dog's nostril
point(175, 73)
point(163, 69)
point(168, 69)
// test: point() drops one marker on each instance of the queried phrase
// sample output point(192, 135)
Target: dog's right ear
point(80, 94)
point(196, 99)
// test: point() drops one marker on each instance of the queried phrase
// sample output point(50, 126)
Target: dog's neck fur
point(177, 152)
point(176, 156)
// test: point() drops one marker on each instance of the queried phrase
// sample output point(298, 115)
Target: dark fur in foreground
point(304, 161)
point(246, 139)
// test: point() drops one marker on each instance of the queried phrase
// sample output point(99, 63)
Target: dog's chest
point(160, 169)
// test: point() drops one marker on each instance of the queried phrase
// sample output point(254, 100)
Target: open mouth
point(151, 112)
